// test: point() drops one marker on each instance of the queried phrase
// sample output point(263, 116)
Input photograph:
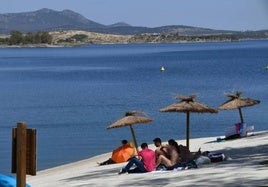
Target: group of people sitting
point(167, 156)
point(172, 154)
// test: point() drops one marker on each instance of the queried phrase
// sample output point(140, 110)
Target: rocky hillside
point(51, 20)
point(74, 37)
point(45, 20)
point(69, 28)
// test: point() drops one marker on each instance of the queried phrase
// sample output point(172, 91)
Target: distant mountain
point(45, 20)
point(120, 24)
point(51, 20)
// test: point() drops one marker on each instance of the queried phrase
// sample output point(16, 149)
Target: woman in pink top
point(146, 163)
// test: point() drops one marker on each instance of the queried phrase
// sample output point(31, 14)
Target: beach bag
point(216, 157)
point(202, 160)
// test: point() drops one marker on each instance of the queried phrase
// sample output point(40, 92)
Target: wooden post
point(241, 116)
point(188, 129)
point(134, 139)
point(31, 152)
point(21, 154)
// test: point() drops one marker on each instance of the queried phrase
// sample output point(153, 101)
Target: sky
point(239, 15)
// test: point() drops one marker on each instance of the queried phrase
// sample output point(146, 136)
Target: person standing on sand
point(144, 163)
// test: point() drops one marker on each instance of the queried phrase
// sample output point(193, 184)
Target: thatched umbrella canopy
point(131, 118)
point(238, 102)
point(188, 105)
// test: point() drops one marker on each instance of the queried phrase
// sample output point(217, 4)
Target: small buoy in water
point(267, 67)
point(162, 68)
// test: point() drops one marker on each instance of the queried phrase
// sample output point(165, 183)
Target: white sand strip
point(243, 169)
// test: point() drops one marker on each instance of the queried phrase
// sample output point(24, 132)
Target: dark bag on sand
point(184, 165)
point(216, 157)
point(234, 136)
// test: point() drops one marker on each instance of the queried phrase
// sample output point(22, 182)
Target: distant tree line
point(42, 37)
point(17, 38)
point(175, 37)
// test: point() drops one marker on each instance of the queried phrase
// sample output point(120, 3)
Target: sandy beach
point(246, 166)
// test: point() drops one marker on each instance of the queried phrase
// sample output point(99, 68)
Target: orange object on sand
point(123, 153)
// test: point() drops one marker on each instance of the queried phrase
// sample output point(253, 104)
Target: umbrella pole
point(187, 129)
point(241, 116)
point(134, 138)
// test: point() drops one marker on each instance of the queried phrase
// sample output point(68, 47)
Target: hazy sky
point(215, 14)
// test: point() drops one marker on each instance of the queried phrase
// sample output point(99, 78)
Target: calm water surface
point(70, 95)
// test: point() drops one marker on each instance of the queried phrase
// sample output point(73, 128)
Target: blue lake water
point(70, 95)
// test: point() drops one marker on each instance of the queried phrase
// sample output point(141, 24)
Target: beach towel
point(241, 129)
point(180, 166)
point(8, 181)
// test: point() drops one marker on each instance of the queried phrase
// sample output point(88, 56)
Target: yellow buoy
point(163, 69)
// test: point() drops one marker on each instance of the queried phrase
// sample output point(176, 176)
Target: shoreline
point(244, 168)
point(128, 43)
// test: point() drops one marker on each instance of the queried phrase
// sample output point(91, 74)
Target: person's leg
point(132, 161)
point(163, 160)
point(162, 151)
point(137, 170)
point(109, 161)
point(128, 166)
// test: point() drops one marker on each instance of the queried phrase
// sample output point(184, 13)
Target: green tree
point(4, 40)
point(45, 37)
point(80, 37)
point(16, 38)
point(29, 38)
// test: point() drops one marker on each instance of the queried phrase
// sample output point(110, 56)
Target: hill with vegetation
point(75, 38)
point(51, 20)
point(67, 28)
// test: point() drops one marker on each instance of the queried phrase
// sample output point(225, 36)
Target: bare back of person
point(162, 151)
point(169, 162)
point(174, 156)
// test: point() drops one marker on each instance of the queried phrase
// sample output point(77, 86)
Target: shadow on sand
point(250, 157)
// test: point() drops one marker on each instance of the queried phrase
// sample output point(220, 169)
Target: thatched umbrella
point(238, 102)
point(187, 105)
point(131, 118)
